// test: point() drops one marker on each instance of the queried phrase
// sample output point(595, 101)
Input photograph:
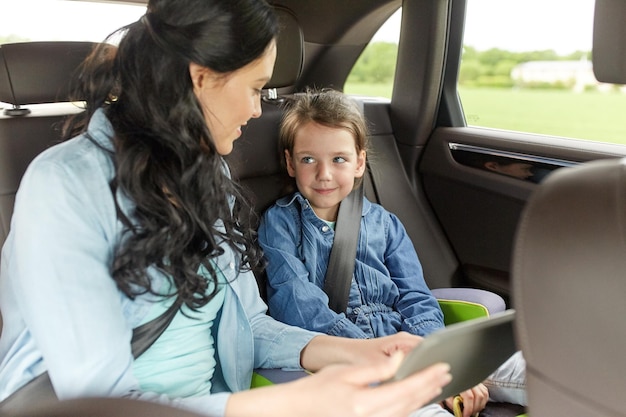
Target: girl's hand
point(388, 345)
point(474, 400)
point(328, 350)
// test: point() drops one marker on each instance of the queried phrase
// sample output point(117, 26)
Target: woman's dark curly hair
point(165, 159)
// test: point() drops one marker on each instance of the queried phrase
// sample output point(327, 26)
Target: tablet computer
point(473, 349)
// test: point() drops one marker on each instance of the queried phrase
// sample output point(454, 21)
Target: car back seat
point(39, 72)
point(255, 162)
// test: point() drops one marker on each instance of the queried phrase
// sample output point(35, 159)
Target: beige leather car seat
point(569, 284)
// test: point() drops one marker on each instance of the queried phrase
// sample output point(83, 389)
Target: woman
point(138, 211)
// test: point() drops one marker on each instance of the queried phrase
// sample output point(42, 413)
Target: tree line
point(492, 67)
point(12, 39)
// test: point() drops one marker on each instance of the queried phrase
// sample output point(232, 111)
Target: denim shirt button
point(231, 265)
point(325, 229)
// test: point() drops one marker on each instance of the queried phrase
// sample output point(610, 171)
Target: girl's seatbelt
point(343, 252)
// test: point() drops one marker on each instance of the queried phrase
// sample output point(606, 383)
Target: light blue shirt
point(64, 314)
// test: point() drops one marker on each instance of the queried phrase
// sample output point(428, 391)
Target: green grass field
point(598, 116)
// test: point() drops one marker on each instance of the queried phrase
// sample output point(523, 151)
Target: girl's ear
point(291, 170)
point(360, 164)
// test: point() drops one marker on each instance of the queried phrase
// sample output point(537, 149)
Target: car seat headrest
point(568, 290)
point(39, 72)
point(609, 41)
point(289, 51)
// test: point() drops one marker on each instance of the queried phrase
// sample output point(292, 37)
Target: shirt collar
point(298, 197)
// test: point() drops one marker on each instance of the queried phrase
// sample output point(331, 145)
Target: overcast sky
point(530, 24)
point(32, 19)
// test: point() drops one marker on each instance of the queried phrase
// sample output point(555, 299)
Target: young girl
point(323, 141)
point(138, 209)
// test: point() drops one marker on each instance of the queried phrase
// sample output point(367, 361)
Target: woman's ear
point(291, 170)
point(360, 164)
point(198, 75)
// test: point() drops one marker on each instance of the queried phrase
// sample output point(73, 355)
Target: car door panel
point(479, 209)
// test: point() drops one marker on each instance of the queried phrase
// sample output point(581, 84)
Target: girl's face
point(229, 101)
point(325, 163)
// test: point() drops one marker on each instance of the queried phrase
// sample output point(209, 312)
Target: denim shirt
point(63, 313)
point(387, 294)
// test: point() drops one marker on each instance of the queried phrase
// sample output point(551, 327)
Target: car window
point(534, 76)
point(30, 20)
point(55, 20)
point(531, 71)
point(372, 74)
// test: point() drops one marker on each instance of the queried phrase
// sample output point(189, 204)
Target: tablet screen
point(474, 349)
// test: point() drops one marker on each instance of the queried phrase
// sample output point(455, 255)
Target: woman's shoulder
point(85, 157)
point(77, 159)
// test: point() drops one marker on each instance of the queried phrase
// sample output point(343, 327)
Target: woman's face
point(228, 101)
